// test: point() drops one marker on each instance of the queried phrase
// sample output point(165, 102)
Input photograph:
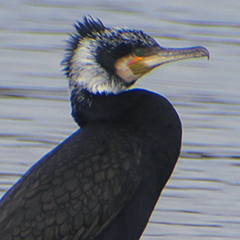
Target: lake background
point(202, 199)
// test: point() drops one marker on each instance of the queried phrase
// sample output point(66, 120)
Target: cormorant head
point(109, 60)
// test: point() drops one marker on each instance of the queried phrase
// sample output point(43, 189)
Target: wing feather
point(76, 190)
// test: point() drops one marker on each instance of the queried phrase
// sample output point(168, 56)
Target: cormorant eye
point(138, 52)
point(144, 52)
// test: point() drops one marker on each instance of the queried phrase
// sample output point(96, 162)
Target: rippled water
point(202, 199)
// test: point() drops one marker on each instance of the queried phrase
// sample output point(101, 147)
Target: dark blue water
point(202, 199)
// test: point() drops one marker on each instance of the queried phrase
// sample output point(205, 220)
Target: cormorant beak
point(141, 61)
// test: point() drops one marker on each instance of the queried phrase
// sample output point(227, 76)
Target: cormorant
point(102, 182)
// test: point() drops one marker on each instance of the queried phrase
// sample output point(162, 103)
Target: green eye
point(138, 52)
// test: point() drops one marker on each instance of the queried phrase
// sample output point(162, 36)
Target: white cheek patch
point(87, 73)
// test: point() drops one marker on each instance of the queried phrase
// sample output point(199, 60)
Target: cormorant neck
point(140, 112)
point(89, 107)
point(133, 107)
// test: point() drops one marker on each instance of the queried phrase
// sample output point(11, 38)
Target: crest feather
point(88, 28)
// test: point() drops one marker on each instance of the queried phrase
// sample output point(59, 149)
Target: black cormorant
point(103, 181)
